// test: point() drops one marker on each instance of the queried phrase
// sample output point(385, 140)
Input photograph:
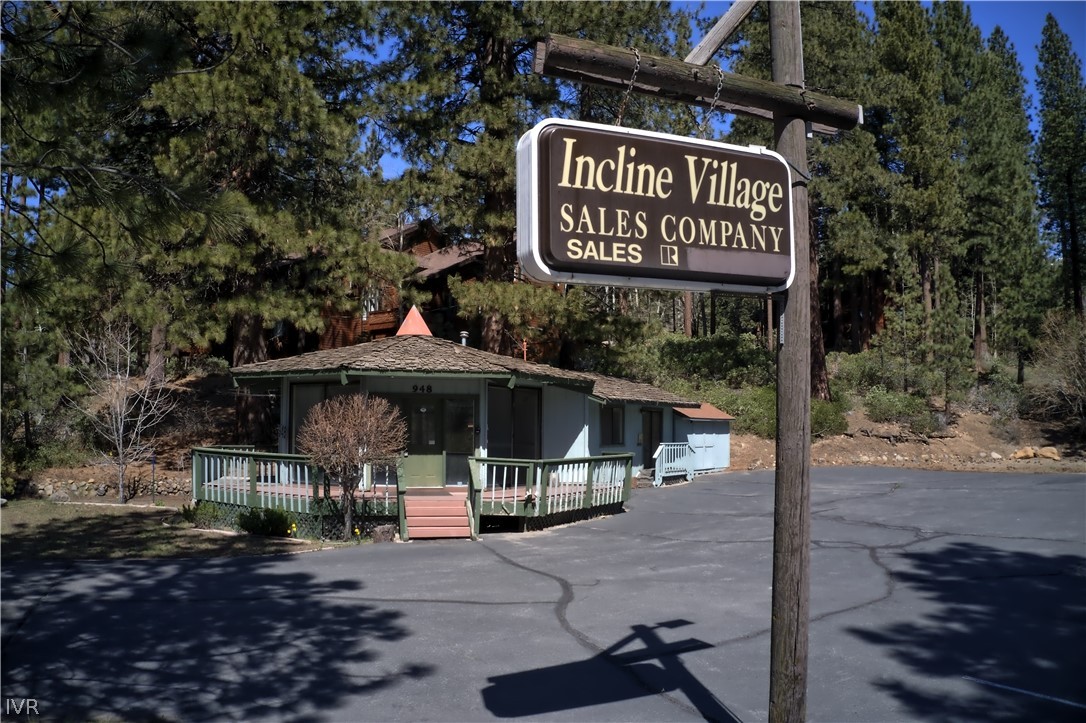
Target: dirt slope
point(971, 443)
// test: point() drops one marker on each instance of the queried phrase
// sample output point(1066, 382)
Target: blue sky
point(1021, 20)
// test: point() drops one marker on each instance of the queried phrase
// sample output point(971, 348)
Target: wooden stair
point(436, 513)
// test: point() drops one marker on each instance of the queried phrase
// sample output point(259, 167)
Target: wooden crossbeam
point(588, 62)
point(720, 32)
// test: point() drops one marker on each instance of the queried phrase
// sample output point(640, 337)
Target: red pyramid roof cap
point(414, 325)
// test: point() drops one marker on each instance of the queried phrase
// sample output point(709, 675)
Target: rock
point(59, 497)
point(101, 491)
point(996, 455)
point(1048, 453)
point(384, 533)
point(1024, 453)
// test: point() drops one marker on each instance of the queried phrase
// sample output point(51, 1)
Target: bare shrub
point(1059, 390)
point(124, 407)
point(344, 434)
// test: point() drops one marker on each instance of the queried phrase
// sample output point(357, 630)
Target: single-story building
point(511, 436)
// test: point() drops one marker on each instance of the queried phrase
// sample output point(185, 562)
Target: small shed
point(707, 430)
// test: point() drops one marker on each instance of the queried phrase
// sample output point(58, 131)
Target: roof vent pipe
point(463, 338)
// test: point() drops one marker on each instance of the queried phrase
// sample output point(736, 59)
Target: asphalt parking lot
point(935, 596)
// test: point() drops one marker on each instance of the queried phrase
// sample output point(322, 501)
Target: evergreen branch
point(93, 236)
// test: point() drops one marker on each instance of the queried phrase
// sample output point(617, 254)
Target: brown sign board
point(622, 207)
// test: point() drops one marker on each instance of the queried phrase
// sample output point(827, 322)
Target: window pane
point(499, 430)
point(526, 442)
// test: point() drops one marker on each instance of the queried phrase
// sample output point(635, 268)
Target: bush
point(735, 359)
point(907, 409)
point(270, 523)
point(202, 514)
point(857, 373)
point(828, 418)
point(1001, 398)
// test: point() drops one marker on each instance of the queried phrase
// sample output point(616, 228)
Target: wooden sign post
point(792, 492)
point(791, 107)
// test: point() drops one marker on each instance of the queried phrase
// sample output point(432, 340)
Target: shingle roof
point(427, 354)
point(409, 354)
point(448, 258)
point(624, 390)
point(706, 412)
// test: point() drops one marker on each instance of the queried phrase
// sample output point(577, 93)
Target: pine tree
point(265, 107)
point(1061, 155)
point(73, 75)
point(847, 252)
point(918, 145)
point(208, 152)
point(454, 94)
point(846, 255)
point(1006, 249)
point(967, 88)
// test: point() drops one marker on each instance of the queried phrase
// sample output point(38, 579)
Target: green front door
point(459, 423)
point(440, 438)
point(423, 466)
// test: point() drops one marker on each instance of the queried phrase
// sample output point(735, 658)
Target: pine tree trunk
point(688, 314)
point(1073, 247)
point(878, 303)
point(495, 266)
point(252, 413)
point(861, 299)
point(156, 356)
point(837, 306)
point(28, 439)
point(498, 67)
point(926, 281)
point(980, 328)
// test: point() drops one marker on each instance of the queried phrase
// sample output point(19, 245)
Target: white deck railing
point(534, 488)
point(271, 480)
point(673, 459)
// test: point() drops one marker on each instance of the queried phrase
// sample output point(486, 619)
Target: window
point(612, 425)
point(303, 397)
point(513, 422)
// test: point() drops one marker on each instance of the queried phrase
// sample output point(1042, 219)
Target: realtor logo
point(19, 706)
point(669, 255)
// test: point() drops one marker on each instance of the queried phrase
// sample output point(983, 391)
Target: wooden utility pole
point(791, 509)
point(795, 111)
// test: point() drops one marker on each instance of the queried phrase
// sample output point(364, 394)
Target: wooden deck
point(499, 487)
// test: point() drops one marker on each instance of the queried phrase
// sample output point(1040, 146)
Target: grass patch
point(44, 530)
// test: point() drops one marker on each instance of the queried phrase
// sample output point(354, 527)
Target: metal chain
point(629, 88)
point(716, 98)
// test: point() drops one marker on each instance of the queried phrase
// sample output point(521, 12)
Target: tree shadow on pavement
point(608, 677)
point(237, 638)
point(1010, 625)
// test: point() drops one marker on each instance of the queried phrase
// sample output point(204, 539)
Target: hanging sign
point(621, 207)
